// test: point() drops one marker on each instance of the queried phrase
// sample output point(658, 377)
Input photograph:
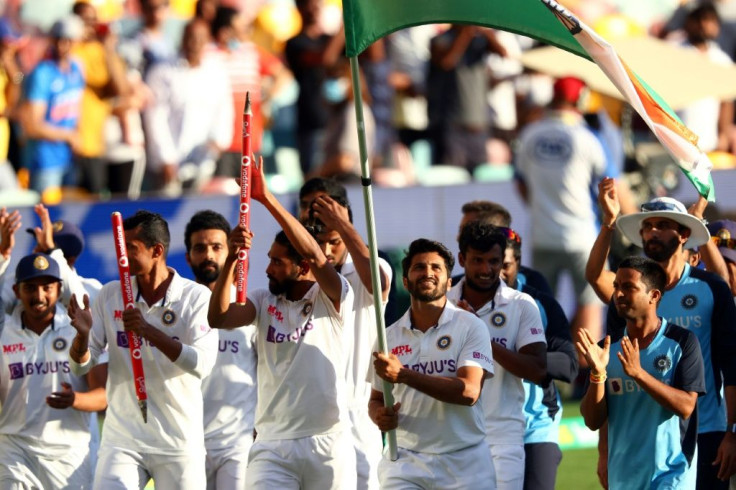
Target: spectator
point(53, 95)
point(191, 118)
point(105, 80)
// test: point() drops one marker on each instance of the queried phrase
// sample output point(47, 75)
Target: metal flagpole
point(388, 397)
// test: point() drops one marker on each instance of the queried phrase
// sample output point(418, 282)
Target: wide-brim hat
point(664, 207)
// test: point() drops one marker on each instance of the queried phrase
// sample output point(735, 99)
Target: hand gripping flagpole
point(241, 272)
point(388, 397)
point(134, 341)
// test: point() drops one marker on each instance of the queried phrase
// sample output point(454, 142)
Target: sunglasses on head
point(660, 206)
point(724, 242)
point(509, 234)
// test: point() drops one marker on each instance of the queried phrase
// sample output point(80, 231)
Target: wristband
point(598, 379)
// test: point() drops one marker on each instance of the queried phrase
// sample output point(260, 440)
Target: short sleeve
point(476, 350)
point(690, 373)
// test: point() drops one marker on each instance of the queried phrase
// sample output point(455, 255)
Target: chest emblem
point(498, 319)
point(307, 309)
point(444, 342)
point(59, 344)
point(689, 301)
point(663, 363)
point(168, 318)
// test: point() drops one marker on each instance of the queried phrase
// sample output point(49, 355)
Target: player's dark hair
point(291, 252)
point(205, 220)
point(331, 187)
point(223, 18)
point(423, 245)
point(651, 272)
point(489, 210)
point(481, 237)
point(152, 228)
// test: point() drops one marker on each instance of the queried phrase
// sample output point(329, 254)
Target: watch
point(731, 428)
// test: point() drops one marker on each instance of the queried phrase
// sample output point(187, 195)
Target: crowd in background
point(124, 96)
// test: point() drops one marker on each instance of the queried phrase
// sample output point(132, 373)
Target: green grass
point(577, 470)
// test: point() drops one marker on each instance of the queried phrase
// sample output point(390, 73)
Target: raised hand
point(608, 200)
point(9, 224)
point(81, 318)
point(596, 356)
point(329, 211)
point(240, 237)
point(629, 357)
point(258, 189)
point(44, 234)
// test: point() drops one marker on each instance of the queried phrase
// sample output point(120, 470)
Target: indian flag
point(545, 20)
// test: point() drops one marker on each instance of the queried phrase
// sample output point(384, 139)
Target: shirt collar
point(173, 292)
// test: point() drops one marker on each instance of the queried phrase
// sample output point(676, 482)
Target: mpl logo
point(13, 348)
point(16, 370)
point(274, 312)
point(401, 350)
point(117, 315)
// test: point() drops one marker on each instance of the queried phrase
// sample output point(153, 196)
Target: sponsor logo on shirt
point(616, 386)
point(435, 367)
point(688, 322)
point(229, 345)
point(117, 315)
point(481, 356)
point(689, 301)
point(536, 331)
point(663, 363)
point(498, 319)
point(444, 342)
point(274, 312)
point(19, 369)
point(277, 337)
point(499, 340)
point(13, 348)
point(122, 338)
point(401, 350)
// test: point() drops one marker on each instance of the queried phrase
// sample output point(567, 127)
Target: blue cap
point(69, 238)
point(36, 265)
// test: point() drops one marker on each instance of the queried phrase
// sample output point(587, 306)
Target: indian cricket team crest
point(662, 363)
point(723, 235)
point(689, 301)
point(498, 319)
point(57, 226)
point(307, 309)
point(40, 263)
point(444, 342)
point(59, 344)
point(169, 318)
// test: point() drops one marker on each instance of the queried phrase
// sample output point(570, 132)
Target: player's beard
point(203, 275)
point(663, 252)
point(280, 287)
point(426, 296)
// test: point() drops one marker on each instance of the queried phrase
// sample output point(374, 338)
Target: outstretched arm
point(595, 270)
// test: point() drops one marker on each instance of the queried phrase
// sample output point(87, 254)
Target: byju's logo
point(16, 370)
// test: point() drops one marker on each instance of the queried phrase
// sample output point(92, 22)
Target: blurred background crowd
point(100, 98)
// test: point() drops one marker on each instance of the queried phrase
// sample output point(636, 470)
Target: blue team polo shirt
point(702, 303)
point(61, 91)
point(648, 445)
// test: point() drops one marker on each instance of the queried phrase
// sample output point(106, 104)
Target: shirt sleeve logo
point(689, 301)
point(59, 344)
point(498, 319)
point(663, 363)
point(444, 342)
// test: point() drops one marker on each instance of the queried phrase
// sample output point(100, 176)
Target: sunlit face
point(427, 279)
point(282, 272)
point(38, 297)
point(661, 238)
point(482, 269)
point(630, 295)
point(207, 254)
point(333, 247)
point(140, 257)
point(510, 268)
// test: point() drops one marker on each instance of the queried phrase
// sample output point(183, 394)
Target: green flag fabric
point(545, 20)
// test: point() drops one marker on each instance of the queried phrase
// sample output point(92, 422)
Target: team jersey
point(230, 392)
point(362, 337)
point(542, 405)
point(174, 388)
point(459, 339)
point(702, 303)
point(513, 321)
point(301, 386)
point(660, 444)
point(532, 278)
point(33, 366)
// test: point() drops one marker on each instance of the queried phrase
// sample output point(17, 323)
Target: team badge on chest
point(689, 301)
point(168, 318)
point(59, 344)
point(498, 319)
point(444, 342)
point(663, 363)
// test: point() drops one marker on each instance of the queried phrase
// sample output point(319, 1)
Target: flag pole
point(388, 397)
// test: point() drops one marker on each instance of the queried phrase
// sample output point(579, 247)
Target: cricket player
point(178, 351)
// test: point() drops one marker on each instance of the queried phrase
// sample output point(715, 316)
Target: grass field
point(578, 468)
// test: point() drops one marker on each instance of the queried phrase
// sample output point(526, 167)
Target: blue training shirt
point(702, 303)
point(542, 404)
point(61, 91)
point(648, 445)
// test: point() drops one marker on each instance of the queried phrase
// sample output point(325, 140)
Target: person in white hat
point(694, 299)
